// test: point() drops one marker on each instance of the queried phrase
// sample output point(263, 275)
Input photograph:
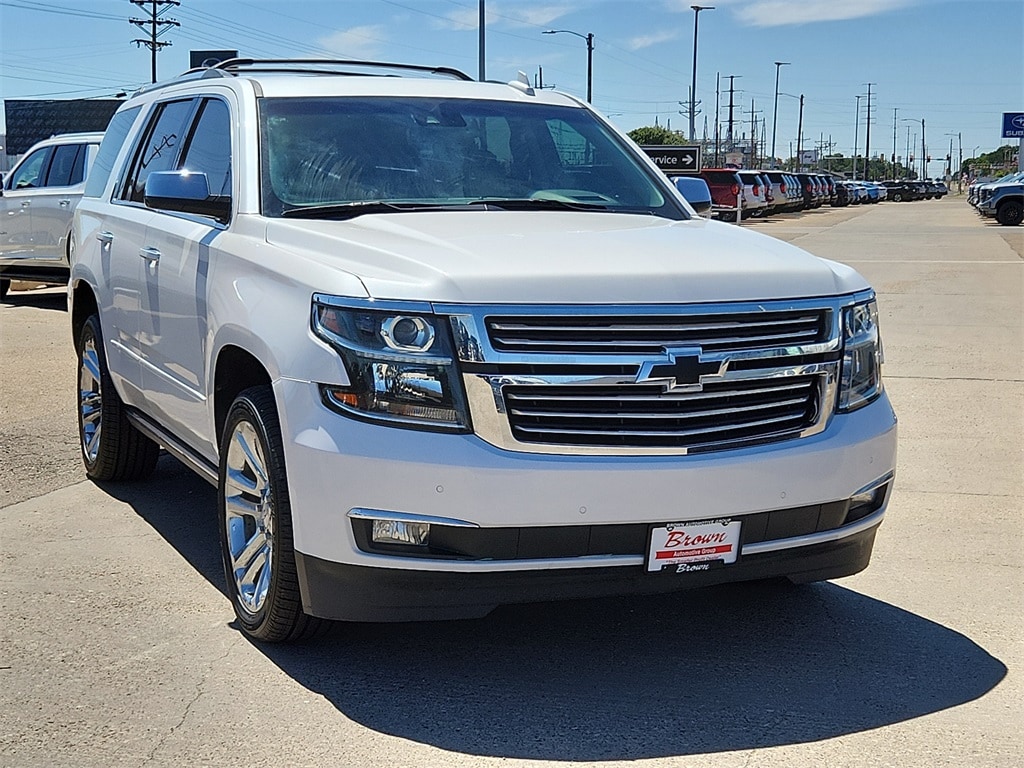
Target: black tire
point(897, 197)
point(112, 449)
point(5, 286)
point(1010, 213)
point(257, 543)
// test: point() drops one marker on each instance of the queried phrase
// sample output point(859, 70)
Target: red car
point(726, 192)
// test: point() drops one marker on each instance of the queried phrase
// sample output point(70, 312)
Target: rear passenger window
point(160, 148)
point(62, 167)
point(109, 149)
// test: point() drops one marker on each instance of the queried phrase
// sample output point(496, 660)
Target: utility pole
point(894, 109)
point(728, 132)
point(480, 32)
point(753, 135)
point(775, 118)
point(856, 129)
point(693, 85)
point(800, 135)
point(924, 154)
point(157, 26)
point(718, 134)
point(867, 139)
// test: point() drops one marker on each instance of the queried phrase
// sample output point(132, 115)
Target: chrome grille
point(651, 334)
point(722, 414)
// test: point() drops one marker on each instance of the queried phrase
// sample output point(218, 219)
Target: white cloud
point(646, 41)
point(777, 13)
point(357, 42)
point(507, 16)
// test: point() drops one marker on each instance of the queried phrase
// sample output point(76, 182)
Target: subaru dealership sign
point(1013, 125)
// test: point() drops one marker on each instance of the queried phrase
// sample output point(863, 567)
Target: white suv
point(443, 345)
point(37, 201)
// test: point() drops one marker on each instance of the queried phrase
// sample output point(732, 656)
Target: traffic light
point(929, 158)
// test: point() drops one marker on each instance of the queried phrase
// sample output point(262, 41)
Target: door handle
point(105, 237)
point(150, 254)
point(65, 203)
point(26, 203)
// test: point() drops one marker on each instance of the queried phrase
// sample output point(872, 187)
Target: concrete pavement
point(116, 644)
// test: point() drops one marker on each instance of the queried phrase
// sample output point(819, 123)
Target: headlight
point(862, 357)
point(399, 363)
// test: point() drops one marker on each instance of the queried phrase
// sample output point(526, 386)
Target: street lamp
point(693, 87)
point(775, 117)
point(924, 154)
point(589, 37)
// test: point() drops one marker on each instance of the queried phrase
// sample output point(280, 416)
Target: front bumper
point(361, 593)
point(336, 465)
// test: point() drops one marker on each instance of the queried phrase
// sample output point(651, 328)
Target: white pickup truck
point(443, 345)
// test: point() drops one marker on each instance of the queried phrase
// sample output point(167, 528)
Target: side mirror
point(186, 192)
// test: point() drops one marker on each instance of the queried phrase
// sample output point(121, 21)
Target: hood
point(527, 257)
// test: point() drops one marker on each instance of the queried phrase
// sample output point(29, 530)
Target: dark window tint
point(31, 172)
point(113, 138)
point(159, 151)
point(62, 166)
point(209, 147)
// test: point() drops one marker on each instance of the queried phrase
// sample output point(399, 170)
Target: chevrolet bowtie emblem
point(680, 369)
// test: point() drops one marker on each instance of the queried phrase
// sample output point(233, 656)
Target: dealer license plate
point(693, 546)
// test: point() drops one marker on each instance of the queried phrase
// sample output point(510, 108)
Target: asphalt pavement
point(117, 645)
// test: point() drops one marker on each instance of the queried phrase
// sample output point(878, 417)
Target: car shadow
point(55, 299)
point(721, 669)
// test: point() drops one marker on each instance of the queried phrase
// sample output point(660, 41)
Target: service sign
point(673, 159)
point(696, 546)
point(1013, 125)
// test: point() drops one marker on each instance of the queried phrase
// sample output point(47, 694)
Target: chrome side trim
point(815, 538)
point(179, 450)
point(358, 513)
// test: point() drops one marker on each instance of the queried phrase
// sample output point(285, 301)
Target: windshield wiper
point(536, 204)
point(358, 208)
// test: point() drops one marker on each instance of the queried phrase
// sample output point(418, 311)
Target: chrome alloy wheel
point(90, 399)
point(249, 517)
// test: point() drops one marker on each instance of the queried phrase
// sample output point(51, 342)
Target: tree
point(655, 134)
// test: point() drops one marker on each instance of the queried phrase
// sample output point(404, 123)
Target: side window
point(62, 167)
point(110, 147)
point(209, 147)
point(30, 173)
point(159, 150)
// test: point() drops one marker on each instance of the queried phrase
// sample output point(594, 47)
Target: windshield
point(444, 153)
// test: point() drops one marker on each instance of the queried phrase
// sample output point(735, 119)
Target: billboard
point(30, 121)
point(197, 59)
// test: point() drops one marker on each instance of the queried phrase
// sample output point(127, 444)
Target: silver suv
point(37, 201)
point(443, 344)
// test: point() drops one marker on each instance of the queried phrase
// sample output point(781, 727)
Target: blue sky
point(957, 64)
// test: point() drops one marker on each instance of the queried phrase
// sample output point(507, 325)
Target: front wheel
point(5, 286)
point(256, 524)
point(112, 449)
point(1010, 213)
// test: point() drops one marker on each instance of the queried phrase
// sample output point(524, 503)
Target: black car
point(898, 191)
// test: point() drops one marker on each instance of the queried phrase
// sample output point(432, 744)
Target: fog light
point(866, 502)
point(399, 532)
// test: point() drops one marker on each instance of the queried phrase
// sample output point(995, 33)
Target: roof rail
point(307, 66)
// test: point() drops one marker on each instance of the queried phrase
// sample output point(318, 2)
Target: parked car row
point(1002, 199)
point(742, 194)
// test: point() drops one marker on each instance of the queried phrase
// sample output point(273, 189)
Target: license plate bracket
point(695, 545)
